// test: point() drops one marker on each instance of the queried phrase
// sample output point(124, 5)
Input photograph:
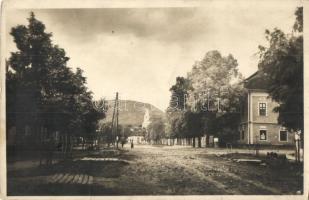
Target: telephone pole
point(115, 122)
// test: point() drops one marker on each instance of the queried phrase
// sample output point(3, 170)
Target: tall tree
point(177, 124)
point(156, 130)
point(173, 120)
point(216, 92)
point(42, 91)
point(213, 90)
point(179, 93)
point(282, 62)
point(211, 80)
point(28, 74)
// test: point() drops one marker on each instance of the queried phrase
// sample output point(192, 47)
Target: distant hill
point(132, 112)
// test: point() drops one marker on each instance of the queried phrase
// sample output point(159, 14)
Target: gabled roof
point(258, 80)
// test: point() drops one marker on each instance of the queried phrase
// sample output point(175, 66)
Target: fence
point(204, 141)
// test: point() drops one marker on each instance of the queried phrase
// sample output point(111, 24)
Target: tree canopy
point(180, 93)
point(155, 130)
point(282, 63)
point(42, 91)
point(211, 90)
point(211, 80)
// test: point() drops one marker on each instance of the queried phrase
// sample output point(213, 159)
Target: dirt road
point(172, 170)
point(149, 170)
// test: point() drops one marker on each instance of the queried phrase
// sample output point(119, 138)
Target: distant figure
point(122, 143)
point(132, 145)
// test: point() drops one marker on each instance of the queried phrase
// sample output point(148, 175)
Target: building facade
point(259, 124)
point(136, 139)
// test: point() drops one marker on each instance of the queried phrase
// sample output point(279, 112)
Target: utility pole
point(115, 121)
point(208, 100)
point(117, 117)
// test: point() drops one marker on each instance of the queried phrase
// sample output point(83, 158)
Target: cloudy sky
point(140, 51)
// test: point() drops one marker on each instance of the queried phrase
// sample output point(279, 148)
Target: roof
point(258, 80)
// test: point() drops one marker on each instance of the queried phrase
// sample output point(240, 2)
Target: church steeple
point(146, 121)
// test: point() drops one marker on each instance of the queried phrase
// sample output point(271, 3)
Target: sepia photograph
point(203, 98)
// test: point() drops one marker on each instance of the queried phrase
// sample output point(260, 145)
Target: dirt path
point(170, 170)
point(149, 170)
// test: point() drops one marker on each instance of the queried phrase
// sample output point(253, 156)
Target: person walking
point(123, 142)
point(132, 145)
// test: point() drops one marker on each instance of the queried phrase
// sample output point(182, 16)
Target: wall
point(244, 110)
point(268, 122)
point(262, 97)
point(272, 135)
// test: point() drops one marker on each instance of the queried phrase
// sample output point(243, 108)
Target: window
point(283, 136)
point(262, 109)
point(263, 135)
point(242, 134)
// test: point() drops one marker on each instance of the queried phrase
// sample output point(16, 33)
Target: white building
point(136, 139)
point(146, 121)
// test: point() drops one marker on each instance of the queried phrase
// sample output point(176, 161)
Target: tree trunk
point(66, 145)
point(193, 143)
point(199, 142)
point(205, 141)
point(71, 145)
point(40, 144)
point(63, 144)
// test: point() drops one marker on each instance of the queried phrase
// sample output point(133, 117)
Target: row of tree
point(209, 99)
point(106, 137)
point(43, 93)
point(156, 130)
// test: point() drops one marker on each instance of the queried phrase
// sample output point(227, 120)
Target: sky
point(139, 52)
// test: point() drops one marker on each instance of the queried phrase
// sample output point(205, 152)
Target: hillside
point(132, 112)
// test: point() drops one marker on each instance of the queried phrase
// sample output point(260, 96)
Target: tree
point(106, 132)
point(226, 127)
point(43, 92)
point(156, 130)
point(282, 63)
point(179, 93)
point(176, 126)
point(27, 76)
point(212, 89)
point(194, 123)
point(211, 80)
point(226, 124)
point(216, 91)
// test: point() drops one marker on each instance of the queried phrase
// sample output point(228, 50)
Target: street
point(141, 99)
point(156, 170)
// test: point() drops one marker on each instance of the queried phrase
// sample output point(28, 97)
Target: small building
point(137, 139)
point(259, 123)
